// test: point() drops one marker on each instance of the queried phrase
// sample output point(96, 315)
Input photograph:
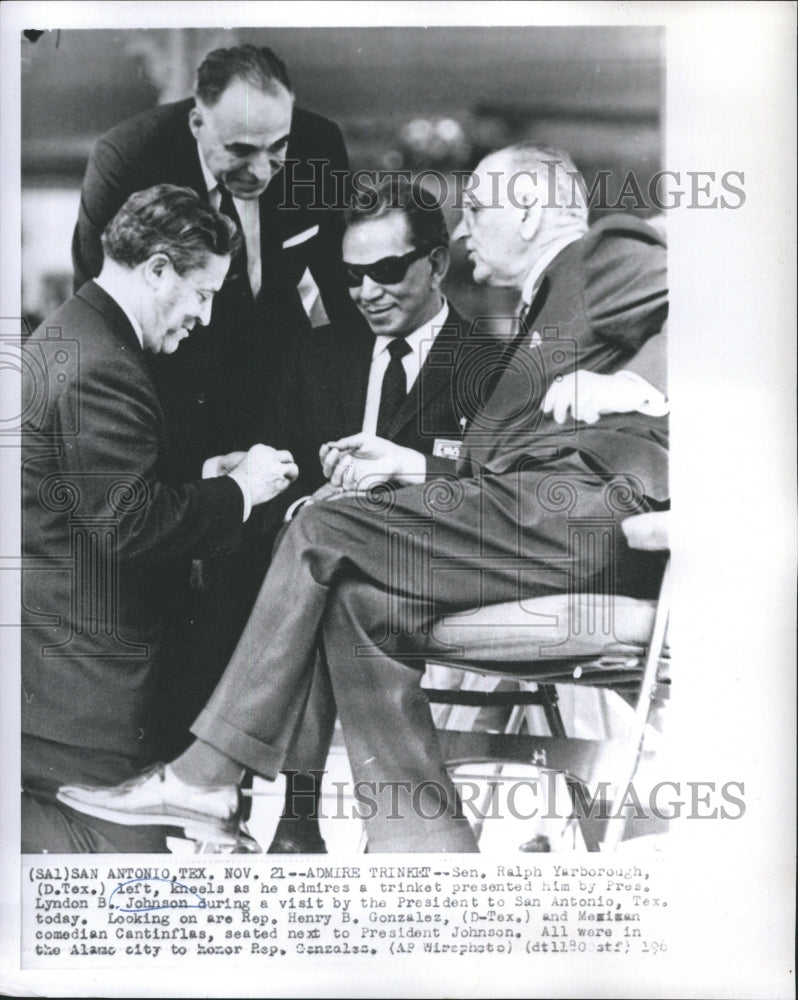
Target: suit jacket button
point(200, 398)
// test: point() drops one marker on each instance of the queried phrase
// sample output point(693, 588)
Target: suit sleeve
point(114, 457)
point(651, 361)
point(106, 186)
point(325, 263)
point(626, 294)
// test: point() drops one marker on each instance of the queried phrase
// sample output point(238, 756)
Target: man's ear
point(531, 220)
point(155, 268)
point(195, 121)
point(526, 201)
point(439, 262)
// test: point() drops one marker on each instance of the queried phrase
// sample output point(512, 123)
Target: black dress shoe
point(294, 836)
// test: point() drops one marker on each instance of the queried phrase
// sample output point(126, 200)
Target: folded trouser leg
point(252, 714)
point(407, 799)
point(310, 746)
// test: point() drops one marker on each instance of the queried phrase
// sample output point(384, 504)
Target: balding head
point(522, 199)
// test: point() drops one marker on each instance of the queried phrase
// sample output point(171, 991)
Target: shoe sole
point(294, 847)
point(203, 826)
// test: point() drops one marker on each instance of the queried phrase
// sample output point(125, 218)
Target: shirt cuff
point(241, 480)
point(210, 467)
point(655, 403)
point(295, 508)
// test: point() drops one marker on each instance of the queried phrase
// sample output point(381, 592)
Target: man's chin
point(246, 193)
point(172, 341)
point(383, 323)
point(479, 274)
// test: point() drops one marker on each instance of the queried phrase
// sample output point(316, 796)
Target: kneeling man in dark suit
point(102, 525)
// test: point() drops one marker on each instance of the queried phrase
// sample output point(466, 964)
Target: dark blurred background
point(409, 98)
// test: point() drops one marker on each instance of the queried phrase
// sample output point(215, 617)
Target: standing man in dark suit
point(278, 171)
point(371, 578)
point(102, 528)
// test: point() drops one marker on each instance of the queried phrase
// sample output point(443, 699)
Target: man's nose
point(370, 289)
point(204, 313)
point(264, 165)
point(461, 229)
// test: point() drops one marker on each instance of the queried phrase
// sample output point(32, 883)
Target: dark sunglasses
point(388, 271)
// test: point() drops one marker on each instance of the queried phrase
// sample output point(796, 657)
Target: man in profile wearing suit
point(594, 302)
point(278, 171)
point(101, 526)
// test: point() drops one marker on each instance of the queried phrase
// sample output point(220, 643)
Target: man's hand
point(220, 465)
point(349, 460)
point(263, 472)
point(587, 395)
point(226, 463)
point(648, 531)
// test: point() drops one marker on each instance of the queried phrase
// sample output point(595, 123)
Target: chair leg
point(551, 710)
point(577, 789)
point(485, 804)
point(589, 826)
point(617, 824)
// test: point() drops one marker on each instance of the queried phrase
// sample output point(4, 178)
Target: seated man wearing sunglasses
point(391, 384)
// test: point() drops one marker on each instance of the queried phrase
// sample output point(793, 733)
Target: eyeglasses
point(387, 271)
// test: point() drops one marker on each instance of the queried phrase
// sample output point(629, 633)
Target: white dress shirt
point(249, 213)
point(419, 343)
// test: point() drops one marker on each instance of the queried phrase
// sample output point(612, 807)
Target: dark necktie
point(526, 319)
point(394, 385)
point(238, 275)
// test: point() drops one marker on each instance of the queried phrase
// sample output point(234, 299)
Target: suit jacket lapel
point(120, 325)
point(270, 236)
point(354, 364)
point(185, 156)
point(120, 328)
point(278, 192)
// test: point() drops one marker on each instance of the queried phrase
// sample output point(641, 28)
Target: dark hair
point(170, 220)
point(397, 194)
point(256, 65)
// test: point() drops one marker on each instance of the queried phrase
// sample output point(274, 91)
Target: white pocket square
point(306, 234)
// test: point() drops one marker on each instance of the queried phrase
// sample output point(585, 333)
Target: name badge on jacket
point(443, 448)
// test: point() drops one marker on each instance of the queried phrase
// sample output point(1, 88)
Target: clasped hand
point(262, 472)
